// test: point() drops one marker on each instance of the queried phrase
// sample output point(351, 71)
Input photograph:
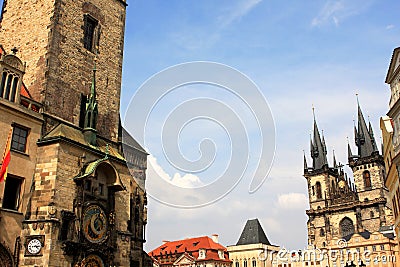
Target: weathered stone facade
point(80, 201)
point(49, 35)
point(340, 208)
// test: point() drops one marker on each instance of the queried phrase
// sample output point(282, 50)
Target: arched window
point(367, 179)
point(371, 213)
point(245, 263)
point(8, 85)
point(322, 232)
point(319, 190)
point(236, 264)
point(254, 263)
point(346, 227)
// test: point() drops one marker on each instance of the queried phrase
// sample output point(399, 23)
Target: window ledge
point(19, 152)
point(11, 211)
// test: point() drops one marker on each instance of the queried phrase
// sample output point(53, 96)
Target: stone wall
point(59, 68)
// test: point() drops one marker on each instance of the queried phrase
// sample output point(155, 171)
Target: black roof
point(253, 233)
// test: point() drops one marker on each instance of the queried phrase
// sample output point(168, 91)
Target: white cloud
point(389, 27)
point(185, 181)
point(328, 13)
point(292, 201)
point(237, 12)
point(336, 11)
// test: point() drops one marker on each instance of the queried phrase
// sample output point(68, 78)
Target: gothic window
point(19, 138)
point(371, 214)
point(237, 264)
point(254, 263)
point(8, 85)
point(91, 33)
point(346, 227)
point(245, 263)
point(322, 232)
point(12, 191)
point(367, 179)
point(319, 190)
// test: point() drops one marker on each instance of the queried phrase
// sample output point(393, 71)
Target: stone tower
point(339, 207)
point(81, 204)
point(59, 40)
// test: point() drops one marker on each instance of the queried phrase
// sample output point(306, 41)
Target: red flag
point(6, 158)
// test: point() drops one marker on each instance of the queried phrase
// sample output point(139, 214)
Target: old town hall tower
point(339, 207)
point(69, 198)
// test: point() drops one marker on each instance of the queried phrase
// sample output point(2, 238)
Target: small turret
point(91, 112)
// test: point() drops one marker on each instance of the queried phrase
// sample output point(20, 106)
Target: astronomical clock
point(89, 232)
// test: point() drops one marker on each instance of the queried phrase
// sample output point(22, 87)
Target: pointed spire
point(305, 161)
point(349, 153)
point(318, 149)
point(334, 160)
point(91, 110)
point(364, 140)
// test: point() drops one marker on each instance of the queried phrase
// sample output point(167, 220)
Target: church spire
point(364, 137)
point(305, 163)
point(334, 160)
point(91, 111)
point(349, 153)
point(318, 149)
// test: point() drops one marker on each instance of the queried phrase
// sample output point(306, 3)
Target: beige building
point(253, 248)
point(69, 198)
point(390, 126)
point(362, 249)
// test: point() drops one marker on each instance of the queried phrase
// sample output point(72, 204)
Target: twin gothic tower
point(339, 207)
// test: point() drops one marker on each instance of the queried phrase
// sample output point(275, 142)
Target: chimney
point(214, 238)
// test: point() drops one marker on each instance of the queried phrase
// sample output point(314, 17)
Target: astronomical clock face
point(92, 261)
point(95, 225)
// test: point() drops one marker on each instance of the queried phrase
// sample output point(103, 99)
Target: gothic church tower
point(339, 207)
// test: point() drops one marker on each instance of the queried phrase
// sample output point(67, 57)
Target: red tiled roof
point(189, 245)
point(25, 92)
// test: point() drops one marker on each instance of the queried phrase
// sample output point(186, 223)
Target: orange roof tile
point(189, 245)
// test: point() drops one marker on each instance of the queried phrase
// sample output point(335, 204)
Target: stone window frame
point(16, 195)
point(367, 179)
point(14, 137)
point(346, 226)
point(318, 187)
point(91, 37)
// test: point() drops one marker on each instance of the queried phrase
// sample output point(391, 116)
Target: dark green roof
point(253, 233)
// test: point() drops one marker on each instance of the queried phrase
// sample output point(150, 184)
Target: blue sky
point(299, 53)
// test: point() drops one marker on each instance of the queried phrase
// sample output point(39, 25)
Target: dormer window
point(202, 254)
point(221, 254)
point(11, 69)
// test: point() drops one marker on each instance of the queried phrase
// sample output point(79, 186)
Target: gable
point(393, 66)
point(185, 259)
